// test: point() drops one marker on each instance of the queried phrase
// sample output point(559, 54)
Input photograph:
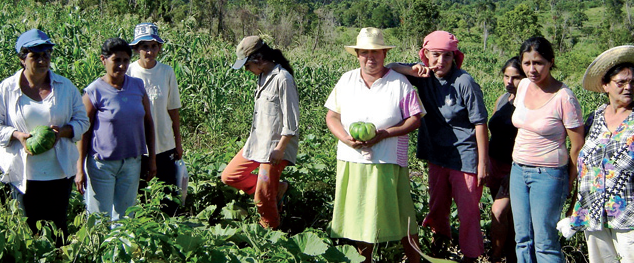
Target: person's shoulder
point(566, 92)
point(65, 82)
point(11, 80)
point(392, 75)
point(350, 75)
point(461, 76)
point(134, 66)
point(163, 66)
point(135, 82)
point(283, 73)
point(463, 81)
point(94, 86)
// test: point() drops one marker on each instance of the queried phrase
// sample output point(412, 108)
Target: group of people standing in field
point(128, 119)
point(525, 163)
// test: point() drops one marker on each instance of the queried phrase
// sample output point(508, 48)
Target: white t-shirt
point(390, 100)
point(160, 85)
point(44, 166)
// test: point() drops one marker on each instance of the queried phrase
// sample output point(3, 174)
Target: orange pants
point(264, 185)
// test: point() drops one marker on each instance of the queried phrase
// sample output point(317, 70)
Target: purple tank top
point(118, 130)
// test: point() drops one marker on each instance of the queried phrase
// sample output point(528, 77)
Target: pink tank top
point(541, 135)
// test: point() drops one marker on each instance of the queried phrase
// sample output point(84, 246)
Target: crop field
point(218, 223)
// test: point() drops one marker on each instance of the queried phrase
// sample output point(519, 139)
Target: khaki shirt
point(276, 113)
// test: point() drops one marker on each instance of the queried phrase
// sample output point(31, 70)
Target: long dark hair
point(273, 55)
point(515, 63)
point(539, 44)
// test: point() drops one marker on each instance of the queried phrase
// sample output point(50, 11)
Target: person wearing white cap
point(274, 138)
point(161, 86)
point(32, 97)
point(372, 196)
point(605, 207)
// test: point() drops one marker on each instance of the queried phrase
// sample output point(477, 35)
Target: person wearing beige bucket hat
point(372, 201)
point(453, 138)
point(273, 142)
point(605, 207)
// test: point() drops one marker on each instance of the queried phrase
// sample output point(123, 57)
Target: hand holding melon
point(42, 139)
point(362, 131)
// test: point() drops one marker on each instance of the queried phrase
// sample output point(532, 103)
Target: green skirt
point(372, 203)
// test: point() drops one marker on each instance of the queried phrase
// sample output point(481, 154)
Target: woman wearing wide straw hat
point(35, 96)
point(160, 84)
point(453, 138)
point(605, 209)
point(274, 138)
point(372, 196)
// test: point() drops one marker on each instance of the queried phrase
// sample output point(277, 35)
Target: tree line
point(500, 24)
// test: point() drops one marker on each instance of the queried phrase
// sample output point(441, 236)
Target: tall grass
point(218, 104)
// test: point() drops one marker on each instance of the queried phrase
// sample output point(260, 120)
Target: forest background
point(218, 223)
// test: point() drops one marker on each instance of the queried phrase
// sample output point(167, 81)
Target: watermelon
point(362, 131)
point(42, 139)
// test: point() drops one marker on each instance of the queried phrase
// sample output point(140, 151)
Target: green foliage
point(218, 223)
point(419, 19)
point(516, 26)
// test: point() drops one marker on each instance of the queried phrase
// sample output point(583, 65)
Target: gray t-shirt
point(454, 106)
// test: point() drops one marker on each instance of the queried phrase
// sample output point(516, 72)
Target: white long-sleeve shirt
point(66, 108)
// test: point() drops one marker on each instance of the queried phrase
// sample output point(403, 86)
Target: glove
point(565, 228)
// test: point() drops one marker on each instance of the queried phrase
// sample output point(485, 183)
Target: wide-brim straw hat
point(369, 38)
point(603, 63)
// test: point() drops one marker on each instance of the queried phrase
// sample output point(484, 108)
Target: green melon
point(42, 139)
point(362, 131)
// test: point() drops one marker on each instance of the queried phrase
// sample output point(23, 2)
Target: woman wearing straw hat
point(273, 141)
point(605, 207)
point(372, 196)
point(453, 138)
point(160, 84)
point(35, 96)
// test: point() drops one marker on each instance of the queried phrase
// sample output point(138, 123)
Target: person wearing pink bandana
point(453, 138)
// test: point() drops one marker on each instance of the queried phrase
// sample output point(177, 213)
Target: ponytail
point(275, 56)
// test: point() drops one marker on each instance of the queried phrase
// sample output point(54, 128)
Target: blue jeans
point(112, 185)
point(537, 198)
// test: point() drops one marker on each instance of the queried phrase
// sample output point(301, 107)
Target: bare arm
point(176, 123)
point(149, 138)
point(404, 127)
point(405, 70)
point(84, 144)
point(577, 140)
point(333, 121)
point(482, 140)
